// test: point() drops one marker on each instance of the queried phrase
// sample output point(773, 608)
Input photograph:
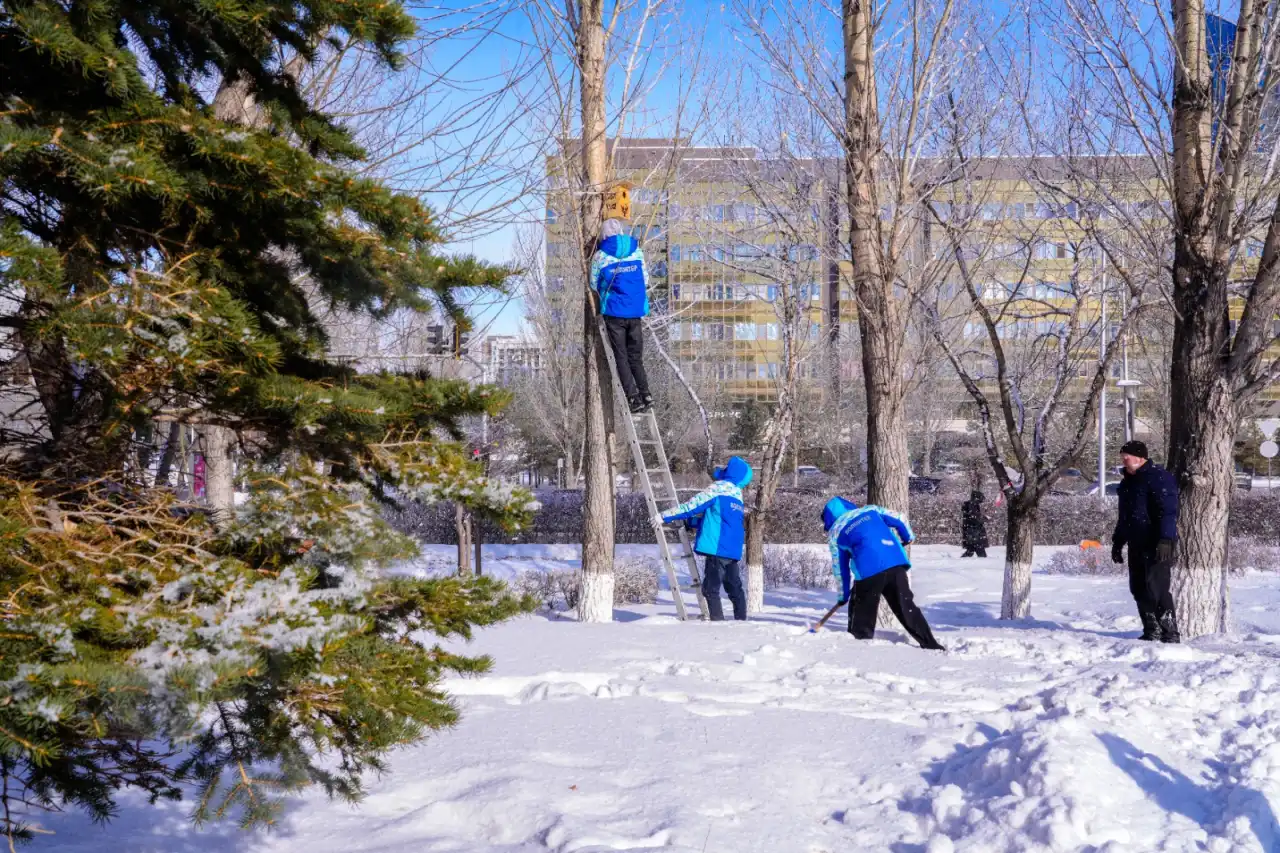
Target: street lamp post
point(1102, 402)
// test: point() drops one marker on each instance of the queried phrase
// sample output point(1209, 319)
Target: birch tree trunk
point(595, 603)
point(879, 317)
point(1019, 554)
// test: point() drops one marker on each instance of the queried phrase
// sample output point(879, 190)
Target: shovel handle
point(828, 615)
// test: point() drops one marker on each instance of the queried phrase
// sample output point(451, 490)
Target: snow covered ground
point(1062, 733)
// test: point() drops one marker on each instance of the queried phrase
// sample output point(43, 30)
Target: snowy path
point(1057, 734)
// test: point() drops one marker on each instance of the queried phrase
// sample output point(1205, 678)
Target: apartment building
point(508, 359)
point(732, 240)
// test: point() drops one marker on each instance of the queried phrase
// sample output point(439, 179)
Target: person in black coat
point(973, 526)
point(1148, 524)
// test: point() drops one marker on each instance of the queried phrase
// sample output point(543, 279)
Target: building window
point(715, 212)
point(552, 216)
point(744, 332)
point(771, 331)
point(696, 332)
point(556, 283)
point(677, 331)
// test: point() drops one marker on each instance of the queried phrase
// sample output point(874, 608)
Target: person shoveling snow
point(868, 559)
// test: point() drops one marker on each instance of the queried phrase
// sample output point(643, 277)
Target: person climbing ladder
point(618, 277)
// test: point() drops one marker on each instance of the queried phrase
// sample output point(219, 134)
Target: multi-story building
point(740, 248)
point(507, 359)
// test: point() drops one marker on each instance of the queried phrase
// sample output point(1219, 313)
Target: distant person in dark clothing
point(1148, 524)
point(973, 526)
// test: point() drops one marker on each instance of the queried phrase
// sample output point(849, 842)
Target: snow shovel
point(824, 619)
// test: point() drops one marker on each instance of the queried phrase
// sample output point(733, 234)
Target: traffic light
point(435, 340)
point(461, 340)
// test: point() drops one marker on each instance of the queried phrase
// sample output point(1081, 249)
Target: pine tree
point(159, 266)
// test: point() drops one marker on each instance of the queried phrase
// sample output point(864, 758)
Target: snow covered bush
point(1247, 553)
point(635, 582)
point(801, 566)
point(1077, 561)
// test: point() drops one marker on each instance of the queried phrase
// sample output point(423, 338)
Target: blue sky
point(474, 58)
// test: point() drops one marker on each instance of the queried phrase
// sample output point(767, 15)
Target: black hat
point(1135, 448)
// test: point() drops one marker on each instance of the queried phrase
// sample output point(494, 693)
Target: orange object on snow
point(1090, 543)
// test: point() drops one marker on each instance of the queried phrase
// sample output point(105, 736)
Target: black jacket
point(973, 527)
point(1148, 508)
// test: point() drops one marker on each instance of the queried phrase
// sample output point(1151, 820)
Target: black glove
point(1117, 553)
point(1164, 552)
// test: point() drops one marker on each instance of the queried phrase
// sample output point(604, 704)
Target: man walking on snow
point(716, 514)
point(869, 561)
point(1148, 524)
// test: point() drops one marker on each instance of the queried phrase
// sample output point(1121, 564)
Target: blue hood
point(736, 471)
point(835, 508)
point(619, 246)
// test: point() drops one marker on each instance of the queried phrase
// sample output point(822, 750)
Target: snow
point(1060, 732)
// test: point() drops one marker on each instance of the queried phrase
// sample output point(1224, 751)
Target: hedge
point(795, 519)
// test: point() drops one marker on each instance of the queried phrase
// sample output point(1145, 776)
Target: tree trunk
point(888, 460)
point(1202, 440)
point(170, 453)
point(462, 527)
point(879, 317)
point(219, 472)
point(1020, 541)
point(1204, 404)
point(595, 602)
point(770, 454)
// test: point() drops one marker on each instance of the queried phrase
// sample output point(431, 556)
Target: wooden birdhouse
point(617, 201)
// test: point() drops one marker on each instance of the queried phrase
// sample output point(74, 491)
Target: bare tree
point(875, 100)
point(1192, 98)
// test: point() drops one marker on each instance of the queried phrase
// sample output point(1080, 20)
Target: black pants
point(717, 570)
point(626, 339)
point(1149, 581)
point(893, 587)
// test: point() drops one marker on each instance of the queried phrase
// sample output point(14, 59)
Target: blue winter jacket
point(618, 275)
point(718, 512)
point(864, 541)
point(1148, 508)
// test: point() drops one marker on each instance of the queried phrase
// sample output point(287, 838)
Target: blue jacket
point(1148, 508)
point(718, 512)
point(865, 541)
point(617, 274)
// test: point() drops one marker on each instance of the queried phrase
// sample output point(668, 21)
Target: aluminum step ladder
point(641, 431)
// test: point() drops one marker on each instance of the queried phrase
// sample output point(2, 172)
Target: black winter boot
point(1169, 628)
point(1150, 626)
